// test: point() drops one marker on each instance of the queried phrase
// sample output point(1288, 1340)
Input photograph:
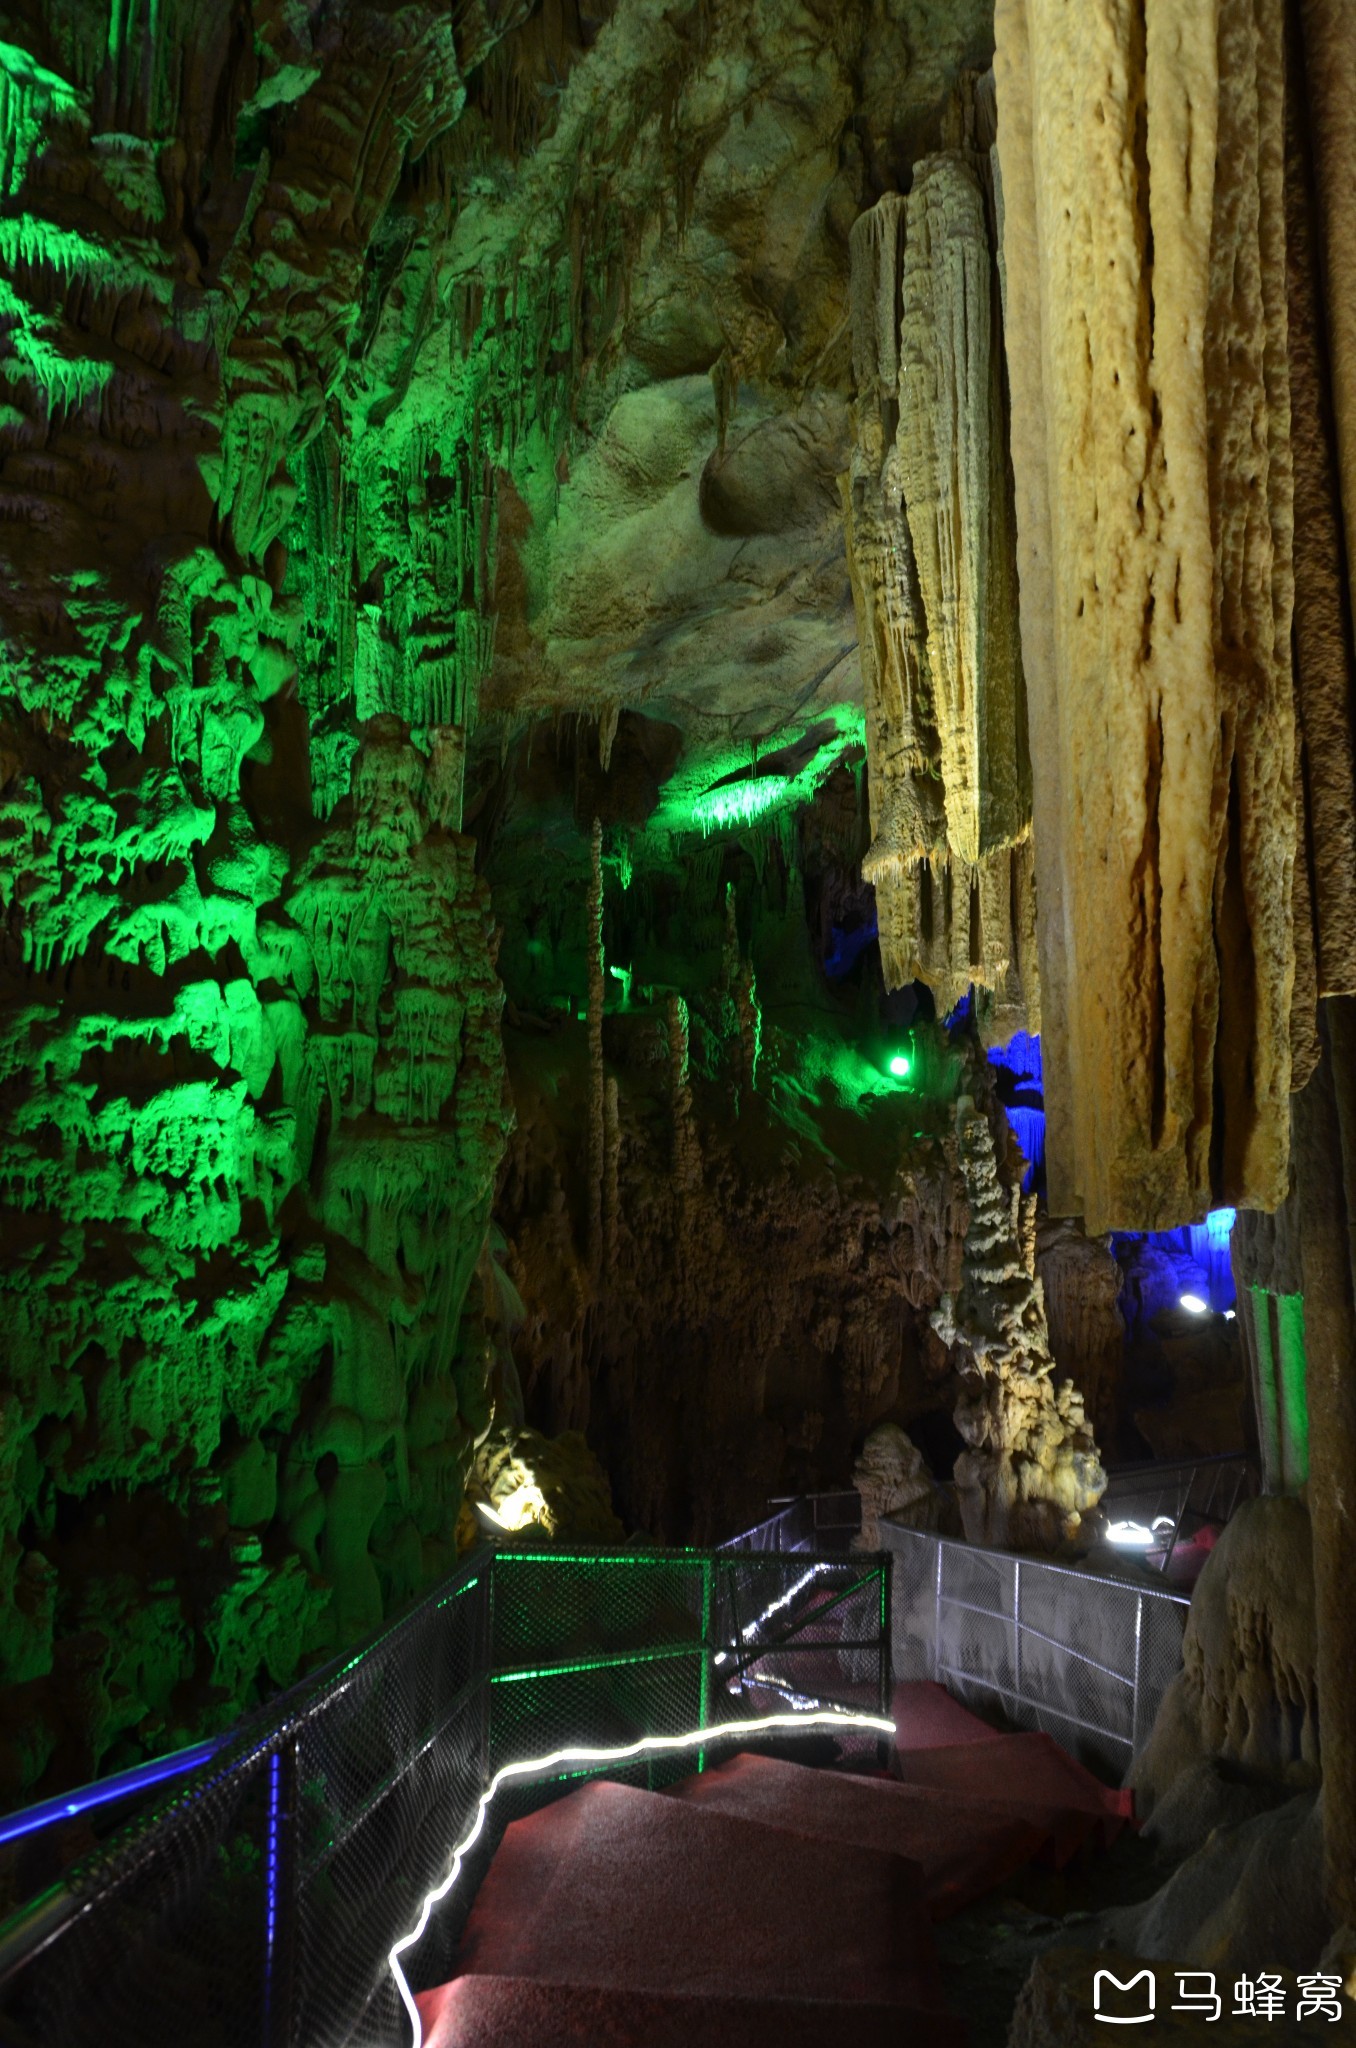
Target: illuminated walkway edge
point(648, 1745)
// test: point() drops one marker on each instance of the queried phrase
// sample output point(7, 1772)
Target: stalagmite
point(1031, 1471)
point(687, 1158)
point(1146, 335)
point(611, 1172)
point(931, 551)
point(739, 989)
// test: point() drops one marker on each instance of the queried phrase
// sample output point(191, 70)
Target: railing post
point(487, 1672)
point(280, 1894)
point(707, 1651)
point(937, 1622)
point(886, 1655)
point(1134, 1693)
point(1017, 1627)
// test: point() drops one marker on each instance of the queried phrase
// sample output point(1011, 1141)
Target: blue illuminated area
point(1187, 1269)
point(1017, 1072)
point(846, 948)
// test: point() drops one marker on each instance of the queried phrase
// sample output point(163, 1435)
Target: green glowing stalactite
point(251, 1099)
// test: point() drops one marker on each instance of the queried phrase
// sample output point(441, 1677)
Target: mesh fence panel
point(818, 1522)
point(258, 1903)
point(1188, 1495)
point(1085, 1657)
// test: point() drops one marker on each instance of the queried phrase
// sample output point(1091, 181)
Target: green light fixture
point(899, 1065)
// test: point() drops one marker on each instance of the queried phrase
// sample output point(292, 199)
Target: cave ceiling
point(680, 549)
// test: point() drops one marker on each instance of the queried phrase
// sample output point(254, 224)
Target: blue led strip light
point(123, 1785)
point(271, 1857)
point(647, 1746)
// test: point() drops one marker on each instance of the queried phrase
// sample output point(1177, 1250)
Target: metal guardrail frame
point(837, 1636)
point(1171, 1490)
point(803, 1521)
point(984, 1659)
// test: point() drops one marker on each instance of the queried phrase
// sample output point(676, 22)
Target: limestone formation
point(1031, 1471)
point(892, 1479)
point(1324, 670)
point(928, 503)
point(1247, 1693)
point(252, 1077)
point(1146, 332)
point(950, 442)
point(1081, 1284)
point(546, 1486)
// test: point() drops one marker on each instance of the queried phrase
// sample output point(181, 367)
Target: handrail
point(373, 1755)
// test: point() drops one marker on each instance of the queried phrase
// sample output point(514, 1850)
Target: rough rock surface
point(1151, 449)
point(1250, 1892)
point(251, 1068)
point(1247, 1693)
point(551, 1485)
point(1081, 1283)
point(892, 1479)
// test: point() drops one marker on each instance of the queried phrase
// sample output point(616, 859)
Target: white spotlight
point(1195, 1304)
point(1230, 1315)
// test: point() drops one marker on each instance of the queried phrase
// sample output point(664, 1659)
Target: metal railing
point(1085, 1656)
point(805, 1521)
point(1190, 1494)
point(259, 1899)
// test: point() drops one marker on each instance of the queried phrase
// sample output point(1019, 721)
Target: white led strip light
point(648, 1745)
point(723, 1656)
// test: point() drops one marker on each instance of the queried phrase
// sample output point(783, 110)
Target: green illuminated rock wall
point(251, 1089)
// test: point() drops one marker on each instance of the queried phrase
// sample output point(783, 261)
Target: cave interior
point(678, 834)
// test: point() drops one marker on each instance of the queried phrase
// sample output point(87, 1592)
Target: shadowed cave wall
point(302, 323)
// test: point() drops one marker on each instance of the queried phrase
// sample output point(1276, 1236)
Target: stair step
point(963, 1845)
point(1024, 1774)
point(513, 2012)
point(927, 1717)
point(637, 1892)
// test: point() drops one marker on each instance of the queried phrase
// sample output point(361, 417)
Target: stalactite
point(596, 969)
point(1329, 61)
point(931, 553)
point(266, 1210)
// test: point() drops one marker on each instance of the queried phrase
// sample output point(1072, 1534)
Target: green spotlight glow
point(900, 1064)
point(740, 803)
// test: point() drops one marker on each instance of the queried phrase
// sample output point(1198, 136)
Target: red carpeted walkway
point(761, 1900)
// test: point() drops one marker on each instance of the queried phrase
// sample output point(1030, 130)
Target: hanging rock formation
point(1144, 263)
point(929, 510)
point(1031, 1471)
point(251, 1078)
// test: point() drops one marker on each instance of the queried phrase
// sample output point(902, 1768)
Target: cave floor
point(986, 1950)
